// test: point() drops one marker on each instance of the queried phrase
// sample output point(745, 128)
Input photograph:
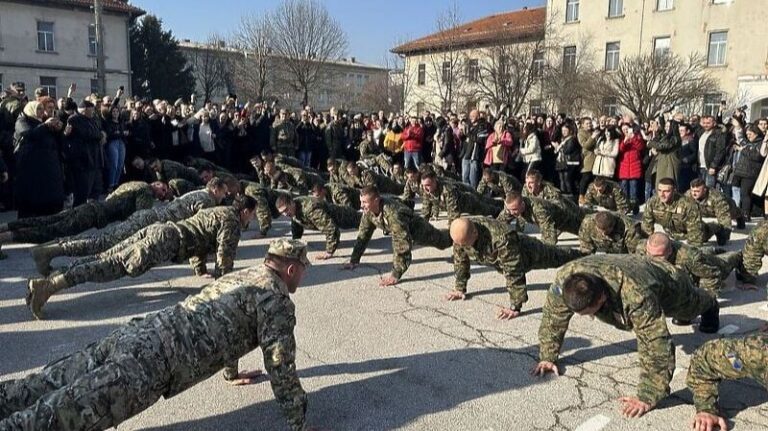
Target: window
point(419, 108)
point(359, 82)
point(712, 103)
point(95, 86)
point(661, 46)
point(610, 106)
point(49, 83)
point(538, 64)
point(763, 107)
point(662, 5)
point(535, 107)
point(446, 71)
point(718, 43)
point(92, 46)
point(615, 8)
point(571, 10)
point(612, 54)
point(422, 77)
point(569, 59)
point(473, 70)
point(45, 36)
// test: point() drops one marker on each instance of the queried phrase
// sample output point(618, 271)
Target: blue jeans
point(115, 161)
point(305, 157)
point(709, 180)
point(470, 172)
point(412, 155)
point(630, 189)
point(650, 189)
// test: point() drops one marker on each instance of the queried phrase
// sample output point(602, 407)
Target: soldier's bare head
point(232, 184)
point(514, 203)
point(584, 293)
point(666, 190)
point(605, 222)
point(429, 180)
point(154, 164)
point(413, 174)
point(370, 200)
point(533, 181)
point(699, 189)
point(463, 232)
point(286, 205)
point(658, 245)
point(319, 191)
point(331, 165)
point(353, 169)
point(256, 162)
point(397, 169)
point(217, 189)
point(489, 175)
point(600, 184)
point(206, 175)
point(161, 190)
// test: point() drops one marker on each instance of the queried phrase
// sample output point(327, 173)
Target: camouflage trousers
point(722, 233)
point(104, 239)
point(535, 254)
point(474, 204)
point(347, 218)
point(134, 256)
point(754, 250)
point(38, 230)
point(95, 388)
point(425, 234)
point(722, 359)
point(345, 196)
point(721, 265)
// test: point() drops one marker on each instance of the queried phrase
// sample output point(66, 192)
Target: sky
point(372, 27)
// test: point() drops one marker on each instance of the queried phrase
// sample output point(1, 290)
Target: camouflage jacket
point(283, 138)
point(755, 248)
point(681, 219)
point(287, 161)
point(548, 192)
point(228, 319)
point(128, 198)
point(317, 215)
point(624, 239)
point(497, 245)
point(642, 293)
point(551, 216)
point(700, 266)
point(612, 199)
point(211, 229)
point(282, 181)
point(266, 203)
point(181, 187)
point(304, 180)
point(368, 178)
point(717, 205)
point(394, 218)
point(199, 164)
point(501, 185)
point(185, 206)
point(449, 196)
point(170, 170)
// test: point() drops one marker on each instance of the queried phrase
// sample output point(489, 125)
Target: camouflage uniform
point(200, 164)
point(681, 219)
point(344, 195)
point(283, 181)
point(180, 187)
point(380, 162)
point(304, 180)
point(406, 229)
point(726, 359)
point(210, 230)
point(612, 198)
point(755, 248)
point(455, 201)
point(642, 293)
point(266, 203)
point(314, 214)
point(121, 203)
point(717, 205)
point(707, 270)
point(283, 138)
point(624, 239)
point(411, 188)
point(552, 217)
point(548, 192)
point(176, 210)
point(170, 170)
point(153, 356)
point(500, 184)
point(287, 161)
point(368, 178)
point(510, 253)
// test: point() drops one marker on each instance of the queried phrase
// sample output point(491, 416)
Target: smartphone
point(122, 88)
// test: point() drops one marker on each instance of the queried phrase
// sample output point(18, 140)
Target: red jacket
point(631, 158)
point(505, 142)
point(413, 137)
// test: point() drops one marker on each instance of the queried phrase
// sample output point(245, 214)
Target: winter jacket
point(306, 136)
point(631, 158)
point(82, 147)
point(473, 147)
point(413, 138)
point(531, 149)
point(506, 148)
point(587, 143)
point(569, 154)
point(39, 176)
point(606, 151)
point(715, 149)
point(748, 161)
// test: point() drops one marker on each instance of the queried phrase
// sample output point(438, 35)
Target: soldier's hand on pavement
point(544, 367)
point(246, 378)
point(323, 256)
point(708, 422)
point(632, 407)
point(387, 280)
point(206, 275)
point(505, 313)
point(455, 295)
point(349, 265)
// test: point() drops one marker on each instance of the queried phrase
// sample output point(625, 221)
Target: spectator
point(116, 132)
point(606, 152)
point(712, 150)
point(473, 149)
point(82, 147)
point(587, 139)
point(530, 149)
point(665, 147)
point(499, 147)
point(205, 135)
point(283, 137)
point(225, 140)
point(568, 160)
point(428, 146)
point(413, 139)
point(689, 156)
point(306, 136)
point(40, 180)
point(630, 162)
point(748, 161)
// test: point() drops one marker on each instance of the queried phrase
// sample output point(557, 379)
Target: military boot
point(741, 223)
point(40, 290)
point(43, 255)
point(710, 320)
point(722, 236)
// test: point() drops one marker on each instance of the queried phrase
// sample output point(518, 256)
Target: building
point(730, 34)
point(481, 63)
point(52, 44)
point(344, 88)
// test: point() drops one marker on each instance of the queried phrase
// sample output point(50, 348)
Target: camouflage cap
point(290, 248)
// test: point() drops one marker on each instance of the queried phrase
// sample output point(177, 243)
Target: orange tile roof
point(502, 27)
point(109, 5)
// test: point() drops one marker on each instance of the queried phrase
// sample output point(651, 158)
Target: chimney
point(186, 40)
point(352, 59)
point(525, 7)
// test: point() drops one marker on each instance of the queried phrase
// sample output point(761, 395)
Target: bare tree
point(402, 79)
point(251, 64)
point(209, 66)
point(645, 84)
point(380, 93)
point(568, 82)
point(305, 37)
point(448, 64)
point(508, 74)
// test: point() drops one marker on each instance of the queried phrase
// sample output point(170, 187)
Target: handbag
point(725, 176)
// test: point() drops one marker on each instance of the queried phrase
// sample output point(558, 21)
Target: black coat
point(39, 176)
point(307, 136)
point(749, 161)
point(715, 149)
point(82, 148)
point(474, 146)
point(689, 156)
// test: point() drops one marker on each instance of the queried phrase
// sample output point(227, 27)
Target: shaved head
point(463, 232)
point(658, 245)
